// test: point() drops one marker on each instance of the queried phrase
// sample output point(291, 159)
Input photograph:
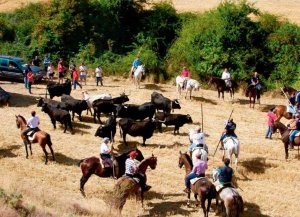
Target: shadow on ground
point(257, 165)
point(252, 209)
point(8, 152)
point(65, 160)
point(21, 100)
point(168, 208)
point(154, 87)
point(202, 99)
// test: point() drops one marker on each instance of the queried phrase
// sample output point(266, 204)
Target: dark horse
point(92, 165)
point(126, 186)
point(40, 137)
point(289, 90)
point(203, 188)
point(253, 94)
point(285, 132)
point(221, 86)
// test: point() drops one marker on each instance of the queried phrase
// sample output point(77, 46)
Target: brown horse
point(40, 137)
point(126, 186)
point(253, 94)
point(285, 132)
point(92, 165)
point(221, 86)
point(281, 111)
point(202, 188)
point(289, 90)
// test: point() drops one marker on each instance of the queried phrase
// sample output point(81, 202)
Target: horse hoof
point(82, 192)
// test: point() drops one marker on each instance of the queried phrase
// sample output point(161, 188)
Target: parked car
point(13, 68)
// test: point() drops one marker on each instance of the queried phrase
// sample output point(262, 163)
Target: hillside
point(289, 9)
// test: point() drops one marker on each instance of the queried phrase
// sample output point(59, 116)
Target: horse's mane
point(280, 125)
point(188, 159)
point(22, 118)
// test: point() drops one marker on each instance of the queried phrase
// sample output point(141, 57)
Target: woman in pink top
point(199, 169)
point(271, 118)
point(185, 73)
point(29, 80)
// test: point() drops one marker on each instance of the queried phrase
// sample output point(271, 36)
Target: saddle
point(106, 163)
point(220, 187)
point(31, 134)
point(193, 181)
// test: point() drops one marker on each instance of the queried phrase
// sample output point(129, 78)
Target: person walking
point(99, 74)
point(75, 79)
point(29, 80)
point(83, 73)
point(26, 70)
point(271, 118)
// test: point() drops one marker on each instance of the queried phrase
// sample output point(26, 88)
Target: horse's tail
point(48, 139)
point(239, 203)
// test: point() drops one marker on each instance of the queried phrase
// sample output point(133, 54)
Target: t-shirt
point(199, 167)
point(130, 166)
point(60, 67)
point(98, 72)
point(82, 70)
point(136, 63)
point(36, 62)
point(185, 73)
point(104, 149)
point(225, 75)
point(30, 76)
point(75, 75)
point(33, 122)
point(46, 61)
point(50, 69)
point(271, 118)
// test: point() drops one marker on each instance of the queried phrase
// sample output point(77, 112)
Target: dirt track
point(270, 184)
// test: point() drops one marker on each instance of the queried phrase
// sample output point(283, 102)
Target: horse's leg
point(25, 144)
point(203, 205)
point(189, 200)
point(83, 180)
point(223, 95)
point(30, 148)
point(52, 152)
point(46, 154)
point(286, 149)
point(208, 206)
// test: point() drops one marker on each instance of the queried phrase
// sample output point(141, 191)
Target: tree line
point(111, 33)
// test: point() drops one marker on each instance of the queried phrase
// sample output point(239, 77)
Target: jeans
point(293, 134)
point(29, 86)
point(99, 79)
point(76, 82)
point(190, 177)
point(269, 132)
point(25, 82)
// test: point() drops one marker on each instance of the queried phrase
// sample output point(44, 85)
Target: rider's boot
point(291, 144)
point(187, 190)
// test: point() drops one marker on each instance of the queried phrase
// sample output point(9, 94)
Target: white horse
point(198, 150)
point(137, 75)
point(231, 146)
point(90, 99)
point(191, 84)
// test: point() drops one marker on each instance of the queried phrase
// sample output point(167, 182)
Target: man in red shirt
point(75, 78)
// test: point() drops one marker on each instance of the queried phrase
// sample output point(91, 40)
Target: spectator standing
point(271, 118)
point(99, 74)
point(72, 65)
point(29, 80)
point(46, 62)
point(36, 61)
point(75, 78)
point(83, 73)
point(50, 72)
point(27, 69)
point(61, 69)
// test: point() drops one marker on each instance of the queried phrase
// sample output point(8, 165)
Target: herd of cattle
point(136, 120)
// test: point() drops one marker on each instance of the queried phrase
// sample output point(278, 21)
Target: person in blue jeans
point(294, 132)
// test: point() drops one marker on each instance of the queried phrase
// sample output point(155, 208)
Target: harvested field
point(270, 184)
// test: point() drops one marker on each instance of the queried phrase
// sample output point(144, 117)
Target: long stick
point(220, 140)
point(112, 154)
point(202, 118)
point(287, 98)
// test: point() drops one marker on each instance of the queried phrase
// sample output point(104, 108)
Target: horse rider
point(230, 127)
point(297, 99)
point(135, 64)
point(32, 124)
point(105, 153)
point(131, 171)
point(224, 175)
point(198, 141)
point(295, 128)
point(226, 77)
point(291, 107)
point(198, 170)
point(185, 74)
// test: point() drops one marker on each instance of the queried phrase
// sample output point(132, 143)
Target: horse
point(202, 188)
point(137, 75)
point(191, 85)
point(231, 146)
point(40, 137)
point(221, 86)
point(285, 132)
point(230, 199)
point(126, 186)
point(92, 165)
point(253, 94)
point(289, 90)
point(281, 111)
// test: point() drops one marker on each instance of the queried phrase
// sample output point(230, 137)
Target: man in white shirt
point(226, 77)
point(83, 72)
point(198, 141)
point(105, 153)
point(32, 124)
point(99, 74)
